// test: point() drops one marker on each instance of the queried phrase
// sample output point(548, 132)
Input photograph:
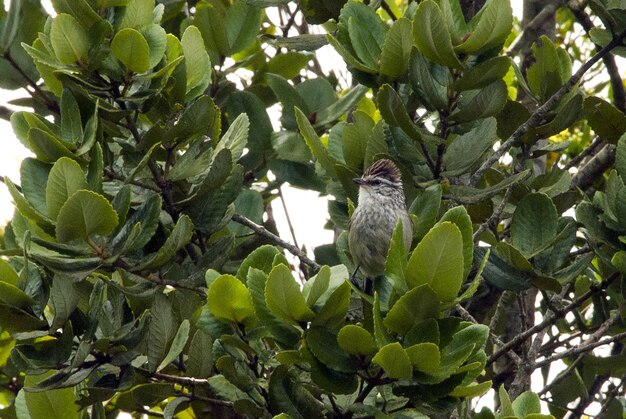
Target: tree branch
point(538, 116)
point(619, 94)
point(549, 318)
point(492, 336)
point(529, 34)
point(262, 231)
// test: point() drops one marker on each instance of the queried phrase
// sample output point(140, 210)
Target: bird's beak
point(358, 180)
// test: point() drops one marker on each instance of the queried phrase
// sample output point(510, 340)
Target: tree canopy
point(142, 271)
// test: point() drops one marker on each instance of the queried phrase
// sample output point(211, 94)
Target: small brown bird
point(381, 204)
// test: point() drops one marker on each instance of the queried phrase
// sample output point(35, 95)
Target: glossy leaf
point(65, 178)
point(396, 49)
point(83, 214)
point(356, 340)
point(417, 305)
point(229, 299)
point(528, 235)
point(424, 357)
point(283, 296)
point(395, 361)
point(438, 261)
point(131, 48)
point(69, 39)
point(431, 35)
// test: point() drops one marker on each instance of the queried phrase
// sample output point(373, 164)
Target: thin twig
point(494, 219)
point(537, 117)
point(619, 93)
point(611, 395)
point(581, 349)
point(492, 336)
point(549, 318)
point(530, 29)
point(262, 231)
point(591, 149)
point(284, 204)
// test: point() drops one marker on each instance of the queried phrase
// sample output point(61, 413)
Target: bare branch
point(262, 231)
point(538, 116)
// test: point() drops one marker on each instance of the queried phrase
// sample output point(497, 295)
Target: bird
point(381, 204)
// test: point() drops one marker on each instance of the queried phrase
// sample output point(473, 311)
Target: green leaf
point(620, 158)
point(323, 345)
point(288, 64)
point(356, 340)
point(438, 261)
point(33, 174)
point(156, 37)
point(236, 137)
point(282, 332)
point(80, 9)
point(345, 103)
point(459, 217)
point(425, 207)
point(608, 122)
point(24, 206)
point(381, 336)
point(483, 74)
point(424, 357)
point(417, 305)
point(46, 146)
point(348, 57)
point(288, 396)
point(7, 274)
point(396, 262)
point(178, 238)
point(160, 331)
point(66, 177)
point(200, 360)
point(495, 22)
point(431, 82)
point(283, 296)
point(15, 320)
point(83, 214)
point(229, 299)
point(355, 138)
point(131, 48)
point(197, 61)
point(242, 25)
point(69, 40)
point(52, 403)
point(431, 36)
point(467, 151)
point(526, 403)
point(527, 235)
point(317, 286)
point(71, 125)
point(482, 103)
point(334, 310)
point(288, 97)
point(10, 25)
point(394, 112)
point(396, 49)
point(13, 296)
point(474, 390)
point(63, 299)
point(137, 13)
point(395, 361)
point(315, 144)
point(505, 402)
point(364, 42)
point(177, 346)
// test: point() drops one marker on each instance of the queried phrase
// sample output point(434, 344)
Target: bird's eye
point(375, 182)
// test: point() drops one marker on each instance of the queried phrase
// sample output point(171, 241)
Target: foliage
point(137, 277)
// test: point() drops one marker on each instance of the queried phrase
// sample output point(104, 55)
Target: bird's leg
point(353, 278)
